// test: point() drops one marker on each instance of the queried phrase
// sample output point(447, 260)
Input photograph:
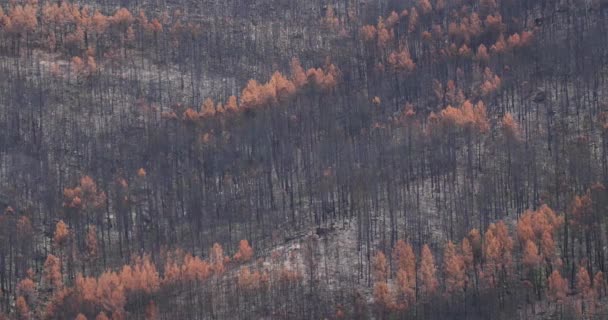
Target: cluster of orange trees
point(71, 28)
point(469, 35)
point(105, 296)
point(255, 96)
point(525, 255)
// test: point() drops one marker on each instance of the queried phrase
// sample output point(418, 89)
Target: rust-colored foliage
point(453, 116)
point(141, 172)
point(500, 46)
point(453, 95)
point(383, 297)
point(141, 277)
point(480, 118)
point(469, 28)
point(191, 115)
point(255, 95)
point(52, 276)
point(51, 14)
point(99, 23)
point(539, 227)
point(413, 20)
point(217, 259)
point(22, 310)
point(86, 287)
point(598, 285)
point(454, 268)
point(385, 35)
point(392, 20)
point(482, 54)
point(380, 267)
point(61, 234)
point(298, 75)
point(514, 41)
point(172, 270)
point(155, 26)
point(323, 80)
point(245, 252)
point(583, 284)
point(491, 82)
point(426, 36)
point(427, 270)
point(494, 23)
point(518, 41)
point(84, 196)
point(467, 116)
point(284, 89)
point(401, 60)
point(85, 68)
point(376, 101)
point(27, 288)
point(142, 19)
point(78, 65)
point(582, 212)
point(407, 114)
point(195, 269)
point(473, 28)
point(368, 33)
point(207, 109)
point(526, 38)
point(122, 19)
point(531, 257)
point(404, 258)
point(498, 250)
point(547, 246)
point(231, 105)
point(288, 275)
point(102, 316)
point(21, 19)
point(510, 128)
point(248, 280)
point(464, 51)
point(425, 6)
point(525, 229)
point(406, 293)
point(109, 292)
point(557, 287)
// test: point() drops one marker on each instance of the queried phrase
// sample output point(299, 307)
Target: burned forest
point(310, 159)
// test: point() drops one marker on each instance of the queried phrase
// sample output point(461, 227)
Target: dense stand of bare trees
point(452, 154)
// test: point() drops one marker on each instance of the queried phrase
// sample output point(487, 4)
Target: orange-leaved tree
point(52, 276)
point(245, 252)
point(427, 273)
point(454, 269)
